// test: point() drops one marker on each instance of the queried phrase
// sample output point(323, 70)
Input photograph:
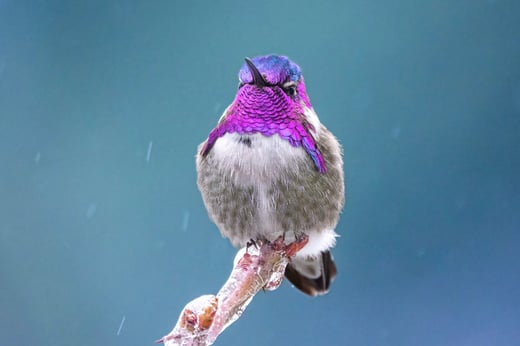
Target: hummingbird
point(270, 168)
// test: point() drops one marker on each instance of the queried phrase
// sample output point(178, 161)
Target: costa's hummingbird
point(270, 168)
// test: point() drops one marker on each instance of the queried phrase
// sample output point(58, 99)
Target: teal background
point(423, 95)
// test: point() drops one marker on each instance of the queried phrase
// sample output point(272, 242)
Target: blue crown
point(275, 69)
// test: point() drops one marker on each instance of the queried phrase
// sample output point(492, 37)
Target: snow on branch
point(257, 267)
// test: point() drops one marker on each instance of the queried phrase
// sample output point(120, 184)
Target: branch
point(258, 267)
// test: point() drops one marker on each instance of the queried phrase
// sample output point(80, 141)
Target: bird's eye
point(290, 89)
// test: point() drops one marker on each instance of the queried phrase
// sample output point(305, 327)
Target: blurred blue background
point(102, 105)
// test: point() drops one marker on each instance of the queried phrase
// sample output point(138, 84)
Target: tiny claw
point(251, 242)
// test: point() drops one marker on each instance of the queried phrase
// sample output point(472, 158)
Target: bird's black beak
point(258, 80)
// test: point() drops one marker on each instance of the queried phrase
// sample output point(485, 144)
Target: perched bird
point(270, 168)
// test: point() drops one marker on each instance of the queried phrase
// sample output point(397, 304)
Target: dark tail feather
point(312, 276)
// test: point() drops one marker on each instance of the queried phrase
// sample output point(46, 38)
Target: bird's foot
point(292, 248)
point(250, 243)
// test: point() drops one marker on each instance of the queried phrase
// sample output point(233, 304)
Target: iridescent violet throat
point(270, 168)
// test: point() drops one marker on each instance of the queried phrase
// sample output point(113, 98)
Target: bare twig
point(258, 267)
